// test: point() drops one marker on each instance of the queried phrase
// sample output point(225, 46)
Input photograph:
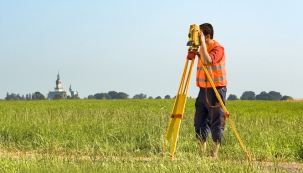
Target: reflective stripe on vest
point(212, 68)
point(218, 79)
point(216, 71)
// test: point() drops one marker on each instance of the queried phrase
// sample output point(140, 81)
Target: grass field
point(127, 136)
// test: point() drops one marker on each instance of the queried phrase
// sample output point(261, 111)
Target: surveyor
point(209, 116)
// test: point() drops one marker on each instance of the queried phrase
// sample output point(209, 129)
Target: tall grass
point(128, 135)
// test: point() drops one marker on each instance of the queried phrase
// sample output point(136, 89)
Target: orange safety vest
point(216, 71)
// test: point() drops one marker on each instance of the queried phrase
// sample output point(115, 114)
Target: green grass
point(127, 136)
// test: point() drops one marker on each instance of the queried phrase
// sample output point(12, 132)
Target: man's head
point(207, 29)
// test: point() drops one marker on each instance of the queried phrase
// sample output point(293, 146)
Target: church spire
point(58, 84)
point(58, 76)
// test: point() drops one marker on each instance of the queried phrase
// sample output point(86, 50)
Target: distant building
point(59, 90)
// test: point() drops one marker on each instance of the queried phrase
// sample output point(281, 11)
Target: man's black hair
point(207, 28)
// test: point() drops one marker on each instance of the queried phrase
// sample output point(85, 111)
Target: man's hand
point(205, 58)
point(202, 37)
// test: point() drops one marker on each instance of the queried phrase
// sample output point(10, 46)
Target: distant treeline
point(247, 95)
point(110, 95)
point(122, 95)
point(250, 95)
point(34, 96)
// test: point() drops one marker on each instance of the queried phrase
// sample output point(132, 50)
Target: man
point(209, 116)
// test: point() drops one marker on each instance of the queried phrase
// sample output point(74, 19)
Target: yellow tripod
point(180, 100)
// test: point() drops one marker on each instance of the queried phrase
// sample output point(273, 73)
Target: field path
point(33, 155)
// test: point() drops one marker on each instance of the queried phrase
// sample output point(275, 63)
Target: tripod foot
point(248, 156)
point(171, 157)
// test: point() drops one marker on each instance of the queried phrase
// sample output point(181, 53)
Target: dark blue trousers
point(208, 119)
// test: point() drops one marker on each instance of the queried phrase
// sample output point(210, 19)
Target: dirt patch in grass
point(287, 166)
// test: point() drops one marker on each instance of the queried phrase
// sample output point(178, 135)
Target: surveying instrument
point(180, 100)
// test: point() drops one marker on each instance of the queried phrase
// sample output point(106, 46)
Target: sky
point(140, 46)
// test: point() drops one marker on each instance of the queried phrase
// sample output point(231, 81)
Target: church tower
point(58, 84)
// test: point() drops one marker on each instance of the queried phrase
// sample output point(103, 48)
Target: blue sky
point(140, 46)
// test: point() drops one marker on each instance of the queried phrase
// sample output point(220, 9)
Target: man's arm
point(216, 54)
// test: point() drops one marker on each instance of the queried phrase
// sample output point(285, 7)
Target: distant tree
point(18, 97)
point(7, 96)
point(122, 95)
point(150, 97)
point(13, 96)
point(232, 97)
point(102, 96)
point(113, 95)
point(140, 96)
point(38, 96)
point(264, 96)
point(110, 95)
point(275, 95)
point(286, 98)
point(158, 97)
point(91, 97)
point(248, 95)
point(167, 97)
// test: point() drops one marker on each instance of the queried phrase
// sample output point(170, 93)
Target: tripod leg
point(178, 108)
point(170, 129)
point(176, 103)
point(179, 100)
point(175, 137)
point(227, 114)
